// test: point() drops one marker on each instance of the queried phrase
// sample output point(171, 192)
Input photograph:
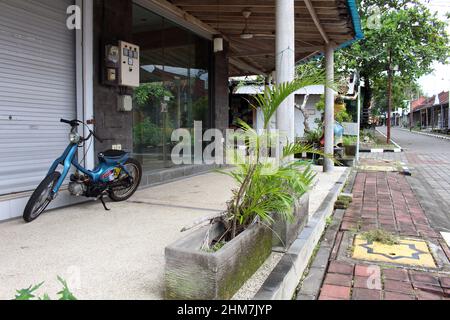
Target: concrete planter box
point(350, 150)
point(285, 233)
point(192, 274)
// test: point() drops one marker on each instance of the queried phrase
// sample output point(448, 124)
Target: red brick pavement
point(385, 201)
point(345, 281)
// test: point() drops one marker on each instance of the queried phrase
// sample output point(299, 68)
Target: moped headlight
point(74, 137)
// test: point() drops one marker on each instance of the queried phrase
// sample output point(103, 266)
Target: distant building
point(431, 113)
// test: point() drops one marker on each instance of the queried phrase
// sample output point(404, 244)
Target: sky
point(439, 80)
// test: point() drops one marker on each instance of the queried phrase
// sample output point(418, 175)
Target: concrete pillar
point(328, 164)
point(285, 67)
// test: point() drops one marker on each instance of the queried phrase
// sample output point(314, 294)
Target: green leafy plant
point(380, 236)
point(349, 140)
point(313, 137)
point(151, 91)
point(30, 292)
point(263, 187)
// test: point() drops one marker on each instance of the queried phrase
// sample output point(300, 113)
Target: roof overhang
point(318, 22)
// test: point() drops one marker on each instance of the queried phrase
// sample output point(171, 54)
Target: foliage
point(340, 109)
point(349, 140)
point(146, 133)
point(380, 236)
point(314, 136)
point(151, 91)
point(264, 187)
point(408, 36)
point(29, 293)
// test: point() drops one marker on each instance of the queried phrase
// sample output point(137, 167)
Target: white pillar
point(328, 164)
point(285, 66)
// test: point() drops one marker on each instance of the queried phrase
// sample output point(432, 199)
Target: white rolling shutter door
point(37, 88)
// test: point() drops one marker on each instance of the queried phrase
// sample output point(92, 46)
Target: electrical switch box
point(129, 64)
point(125, 103)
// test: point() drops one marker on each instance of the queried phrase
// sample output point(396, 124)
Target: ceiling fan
point(246, 33)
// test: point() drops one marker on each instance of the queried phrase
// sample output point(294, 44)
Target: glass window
point(174, 90)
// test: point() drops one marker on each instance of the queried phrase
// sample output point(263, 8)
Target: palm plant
point(264, 187)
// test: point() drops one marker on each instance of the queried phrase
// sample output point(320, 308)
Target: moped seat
point(113, 156)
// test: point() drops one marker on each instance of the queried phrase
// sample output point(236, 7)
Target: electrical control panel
point(122, 64)
point(129, 64)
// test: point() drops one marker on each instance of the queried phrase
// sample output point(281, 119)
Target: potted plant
point(214, 261)
point(349, 144)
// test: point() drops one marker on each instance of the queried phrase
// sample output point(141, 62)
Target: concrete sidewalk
point(117, 254)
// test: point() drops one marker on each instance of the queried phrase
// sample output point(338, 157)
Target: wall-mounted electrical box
point(125, 103)
point(121, 65)
point(130, 64)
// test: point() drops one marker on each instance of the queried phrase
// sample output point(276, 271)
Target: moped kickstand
point(104, 204)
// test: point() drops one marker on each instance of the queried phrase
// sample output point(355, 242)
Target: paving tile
point(361, 282)
point(397, 296)
point(424, 295)
point(344, 280)
point(366, 270)
point(311, 284)
point(428, 287)
point(423, 278)
point(396, 274)
point(340, 267)
point(323, 297)
point(366, 294)
point(445, 282)
point(333, 291)
point(398, 286)
point(347, 226)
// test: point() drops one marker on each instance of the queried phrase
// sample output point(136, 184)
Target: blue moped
point(117, 175)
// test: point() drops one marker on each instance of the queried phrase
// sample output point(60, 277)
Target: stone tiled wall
point(221, 91)
point(112, 22)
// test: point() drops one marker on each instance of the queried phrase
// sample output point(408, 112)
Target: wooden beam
point(316, 20)
point(172, 12)
point(245, 66)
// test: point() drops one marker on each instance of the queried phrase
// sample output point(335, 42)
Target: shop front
point(57, 63)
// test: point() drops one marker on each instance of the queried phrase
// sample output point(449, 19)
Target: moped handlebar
point(75, 123)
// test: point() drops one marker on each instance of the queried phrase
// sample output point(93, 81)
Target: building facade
point(55, 64)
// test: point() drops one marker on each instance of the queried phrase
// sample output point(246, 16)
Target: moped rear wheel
point(41, 197)
point(135, 169)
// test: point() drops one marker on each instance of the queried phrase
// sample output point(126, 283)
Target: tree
point(408, 36)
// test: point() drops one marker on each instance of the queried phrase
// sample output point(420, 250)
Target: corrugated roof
point(436, 100)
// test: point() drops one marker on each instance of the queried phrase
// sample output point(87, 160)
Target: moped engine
point(77, 187)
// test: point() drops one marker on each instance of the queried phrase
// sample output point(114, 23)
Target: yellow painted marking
point(407, 252)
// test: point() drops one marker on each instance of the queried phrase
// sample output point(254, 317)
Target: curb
point(283, 280)
point(396, 150)
point(312, 283)
point(427, 134)
point(393, 142)
point(405, 169)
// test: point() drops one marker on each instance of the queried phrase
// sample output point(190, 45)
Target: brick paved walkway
point(383, 200)
point(345, 281)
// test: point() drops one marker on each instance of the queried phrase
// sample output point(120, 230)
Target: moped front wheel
point(41, 197)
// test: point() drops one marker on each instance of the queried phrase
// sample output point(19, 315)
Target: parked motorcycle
point(117, 176)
